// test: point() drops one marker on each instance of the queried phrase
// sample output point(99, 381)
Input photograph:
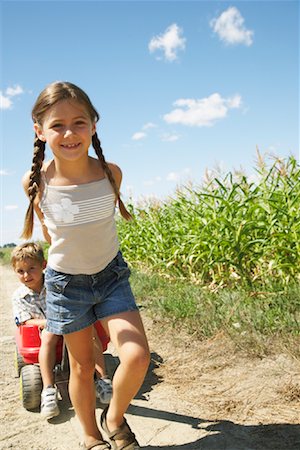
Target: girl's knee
point(83, 370)
point(139, 360)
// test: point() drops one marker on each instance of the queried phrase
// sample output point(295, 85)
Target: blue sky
point(181, 86)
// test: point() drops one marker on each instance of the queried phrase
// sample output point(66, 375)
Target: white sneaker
point(103, 389)
point(49, 406)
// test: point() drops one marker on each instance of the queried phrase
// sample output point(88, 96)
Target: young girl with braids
point(74, 196)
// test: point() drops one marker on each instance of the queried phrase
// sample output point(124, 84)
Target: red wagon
point(28, 344)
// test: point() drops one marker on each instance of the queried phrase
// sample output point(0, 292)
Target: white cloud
point(12, 91)
point(10, 207)
point(156, 180)
point(4, 172)
point(179, 176)
point(230, 27)
point(173, 176)
point(170, 137)
point(138, 136)
point(5, 102)
point(149, 125)
point(202, 112)
point(169, 42)
point(5, 99)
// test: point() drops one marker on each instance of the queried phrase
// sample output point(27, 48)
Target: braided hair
point(34, 184)
point(52, 94)
point(97, 147)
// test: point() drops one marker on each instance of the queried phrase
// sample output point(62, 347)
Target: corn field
point(229, 231)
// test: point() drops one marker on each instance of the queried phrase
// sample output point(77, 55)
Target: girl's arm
point(37, 209)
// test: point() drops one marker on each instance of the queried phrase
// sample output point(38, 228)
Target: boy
point(29, 307)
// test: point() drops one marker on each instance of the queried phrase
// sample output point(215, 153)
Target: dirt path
point(196, 396)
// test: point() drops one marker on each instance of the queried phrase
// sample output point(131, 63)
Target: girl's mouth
point(70, 146)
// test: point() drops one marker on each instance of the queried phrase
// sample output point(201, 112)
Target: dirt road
point(197, 395)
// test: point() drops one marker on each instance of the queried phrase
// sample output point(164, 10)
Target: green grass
point(257, 323)
point(223, 256)
point(228, 232)
point(5, 255)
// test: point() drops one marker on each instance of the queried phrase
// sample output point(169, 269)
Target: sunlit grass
point(223, 257)
point(259, 323)
point(228, 232)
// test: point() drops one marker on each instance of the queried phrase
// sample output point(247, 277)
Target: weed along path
point(197, 395)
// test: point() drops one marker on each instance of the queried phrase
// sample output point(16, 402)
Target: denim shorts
point(75, 302)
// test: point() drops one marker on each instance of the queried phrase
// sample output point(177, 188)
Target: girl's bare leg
point(81, 386)
point(128, 336)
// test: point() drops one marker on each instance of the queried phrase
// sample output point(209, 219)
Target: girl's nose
point(68, 132)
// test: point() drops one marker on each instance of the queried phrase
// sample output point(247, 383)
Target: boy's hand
point(42, 324)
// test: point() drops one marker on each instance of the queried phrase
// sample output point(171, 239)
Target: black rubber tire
point(19, 363)
point(31, 386)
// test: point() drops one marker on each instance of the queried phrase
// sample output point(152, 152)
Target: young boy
point(29, 307)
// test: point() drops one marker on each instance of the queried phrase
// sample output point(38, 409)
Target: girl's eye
point(56, 125)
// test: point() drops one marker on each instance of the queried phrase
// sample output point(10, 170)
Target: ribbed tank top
point(80, 221)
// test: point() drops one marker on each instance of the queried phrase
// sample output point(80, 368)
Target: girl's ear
point(93, 129)
point(39, 132)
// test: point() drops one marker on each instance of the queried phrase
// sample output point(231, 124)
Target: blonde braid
point(34, 185)
point(97, 147)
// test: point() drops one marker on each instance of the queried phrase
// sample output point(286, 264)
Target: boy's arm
point(41, 323)
point(22, 315)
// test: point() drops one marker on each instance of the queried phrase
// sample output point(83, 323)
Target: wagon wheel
point(31, 386)
point(19, 363)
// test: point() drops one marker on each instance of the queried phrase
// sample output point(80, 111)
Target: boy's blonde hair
point(31, 250)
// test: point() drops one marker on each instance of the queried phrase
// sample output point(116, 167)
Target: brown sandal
point(97, 445)
point(123, 433)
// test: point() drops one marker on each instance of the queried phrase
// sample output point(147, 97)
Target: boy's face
point(30, 273)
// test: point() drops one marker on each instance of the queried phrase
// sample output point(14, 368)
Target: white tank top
point(80, 221)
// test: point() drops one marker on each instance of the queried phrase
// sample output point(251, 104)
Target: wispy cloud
point(170, 42)
point(167, 137)
point(139, 135)
point(5, 102)
point(202, 112)
point(4, 172)
point(10, 207)
point(149, 125)
point(156, 180)
point(12, 91)
point(6, 97)
point(177, 176)
point(231, 29)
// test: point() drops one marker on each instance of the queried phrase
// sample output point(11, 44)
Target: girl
point(74, 196)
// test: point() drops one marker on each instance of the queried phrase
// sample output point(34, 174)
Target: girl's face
point(68, 130)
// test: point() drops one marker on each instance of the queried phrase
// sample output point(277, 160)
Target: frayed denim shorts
point(75, 302)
